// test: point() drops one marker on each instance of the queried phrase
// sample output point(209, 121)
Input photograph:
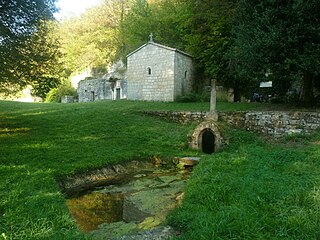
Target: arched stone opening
point(206, 137)
point(207, 141)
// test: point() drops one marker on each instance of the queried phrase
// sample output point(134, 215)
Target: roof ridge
point(159, 45)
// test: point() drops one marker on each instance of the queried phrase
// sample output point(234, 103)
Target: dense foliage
point(210, 39)
point(166, 20)
point(29, 52)
point(90, 40)
point(281, 38)
point(239, 43)
point(56, 94)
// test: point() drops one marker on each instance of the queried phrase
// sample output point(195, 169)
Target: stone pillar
point(213, 115)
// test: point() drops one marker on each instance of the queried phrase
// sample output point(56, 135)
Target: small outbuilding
point(90, 90)
point(112, 86)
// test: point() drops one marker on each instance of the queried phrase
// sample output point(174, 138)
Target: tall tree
point(281, 37)
point(47, 67)
point(135, 27)
point(211, 22)
point(19, 22)
point(90, 40)
point(165, 19)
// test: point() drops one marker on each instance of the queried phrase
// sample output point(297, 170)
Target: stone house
point(111, 86)
point(158, 73)
point(101, 89)
point(154, 72)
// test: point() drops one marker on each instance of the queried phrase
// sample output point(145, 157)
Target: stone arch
point(206, 137)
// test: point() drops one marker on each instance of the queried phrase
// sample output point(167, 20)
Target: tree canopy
point(279, 37)
point(91, 40)
point(26, 55)
point(237, 42)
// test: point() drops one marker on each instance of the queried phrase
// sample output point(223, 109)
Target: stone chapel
point(158, 73)
point(154, 72)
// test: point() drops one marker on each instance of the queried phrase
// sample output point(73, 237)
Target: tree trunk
point(306, 96)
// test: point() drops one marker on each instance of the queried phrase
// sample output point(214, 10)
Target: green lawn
point(253, 189)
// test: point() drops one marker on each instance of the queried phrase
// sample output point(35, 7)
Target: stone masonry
point(272, 123)
point(101, 89)
point(158, 73)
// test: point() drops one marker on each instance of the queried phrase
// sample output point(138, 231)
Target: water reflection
point(141, 202)
point(96, 208)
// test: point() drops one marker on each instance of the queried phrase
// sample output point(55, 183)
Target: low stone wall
point(282, 123)
point(273, 123)
point(181, 117)
point(67, 99)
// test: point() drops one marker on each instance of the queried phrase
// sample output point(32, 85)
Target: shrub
point(194, 97)
point(56, 94)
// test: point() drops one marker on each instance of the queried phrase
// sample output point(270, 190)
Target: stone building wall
point(272, 123)
point(93, 90)
point(150, 74)
point(183, 74)
point(157, 73)
point(101, 89)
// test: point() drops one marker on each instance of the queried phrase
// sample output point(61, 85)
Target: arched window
point(149, 71)
point(185, 75)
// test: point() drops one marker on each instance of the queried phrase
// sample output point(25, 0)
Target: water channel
point(139, 202)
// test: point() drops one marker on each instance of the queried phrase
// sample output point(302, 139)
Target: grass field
point(252, 190)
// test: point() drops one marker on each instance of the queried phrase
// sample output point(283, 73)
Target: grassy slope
point(254, 190)
point(42, 142)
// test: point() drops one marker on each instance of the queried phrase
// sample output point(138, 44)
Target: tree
point(281, 37)
point(135, 27)
point(165, 19)
point(47, 67)
point(90, 40)
point(210, 39)
point(19, 23)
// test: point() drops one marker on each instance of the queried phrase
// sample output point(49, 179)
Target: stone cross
point(213, 102)
point(151, 37)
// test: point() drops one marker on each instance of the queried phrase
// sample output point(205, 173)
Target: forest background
point(240, 43)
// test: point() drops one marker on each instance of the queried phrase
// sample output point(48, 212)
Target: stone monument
point(213, 114)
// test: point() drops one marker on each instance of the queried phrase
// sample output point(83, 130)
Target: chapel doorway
point(117, 93)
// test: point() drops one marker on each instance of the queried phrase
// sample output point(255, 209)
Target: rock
point(158, 233)
point(179, 198)
point(149, 223)
point(131, 213)
point(188, 161)
point(113, 230)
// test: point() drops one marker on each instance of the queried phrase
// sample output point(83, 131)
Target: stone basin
point(135, 203)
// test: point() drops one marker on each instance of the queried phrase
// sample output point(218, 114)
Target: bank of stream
point(136, 204)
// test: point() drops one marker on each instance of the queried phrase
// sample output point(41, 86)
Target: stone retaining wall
point(273, 123)
point(282, 123)
point(181, 117)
